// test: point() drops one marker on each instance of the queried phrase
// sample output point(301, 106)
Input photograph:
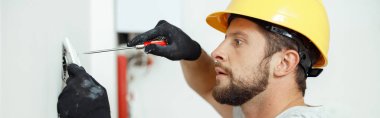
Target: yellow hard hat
point(307, 17)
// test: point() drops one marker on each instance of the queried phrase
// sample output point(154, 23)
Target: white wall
point(1, 101)
point(348, 87)
point(31, 52)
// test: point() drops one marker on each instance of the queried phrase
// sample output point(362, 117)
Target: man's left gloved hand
point(83, 97)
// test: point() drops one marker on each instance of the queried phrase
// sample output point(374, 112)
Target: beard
point(241, 89)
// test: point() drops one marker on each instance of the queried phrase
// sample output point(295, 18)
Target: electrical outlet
point(69, 56)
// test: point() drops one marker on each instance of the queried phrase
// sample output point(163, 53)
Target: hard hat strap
point(305, 60)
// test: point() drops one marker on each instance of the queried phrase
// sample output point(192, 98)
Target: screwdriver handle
point(161, 43)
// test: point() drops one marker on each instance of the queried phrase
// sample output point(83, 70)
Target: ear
point(287, 63)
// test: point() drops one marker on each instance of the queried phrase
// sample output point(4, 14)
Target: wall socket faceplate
point(69, 56)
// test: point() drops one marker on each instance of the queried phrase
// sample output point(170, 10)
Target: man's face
point(241, 68)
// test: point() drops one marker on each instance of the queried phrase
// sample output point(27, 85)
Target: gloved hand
point(180, 45)
point(83, 97)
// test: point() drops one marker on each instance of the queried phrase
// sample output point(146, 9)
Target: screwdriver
point(141, 46)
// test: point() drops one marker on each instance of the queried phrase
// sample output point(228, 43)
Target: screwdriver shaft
point(141, 46)
point(107, 50)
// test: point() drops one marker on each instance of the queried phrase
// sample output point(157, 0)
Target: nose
point(218, 54)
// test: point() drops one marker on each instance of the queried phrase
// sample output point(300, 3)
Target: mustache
point(220, 65)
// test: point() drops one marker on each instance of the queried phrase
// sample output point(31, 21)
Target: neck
point(279, 95)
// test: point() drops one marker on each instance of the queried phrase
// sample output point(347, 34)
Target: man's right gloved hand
point(180, 45)
point(83, 96)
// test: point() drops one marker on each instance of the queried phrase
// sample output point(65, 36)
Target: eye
point(237, 42)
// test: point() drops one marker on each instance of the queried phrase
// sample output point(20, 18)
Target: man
point(260, 69)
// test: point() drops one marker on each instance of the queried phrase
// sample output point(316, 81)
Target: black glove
point(180, 45)
point(83, 97)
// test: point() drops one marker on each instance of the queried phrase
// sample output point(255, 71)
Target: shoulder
point(304, 112)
